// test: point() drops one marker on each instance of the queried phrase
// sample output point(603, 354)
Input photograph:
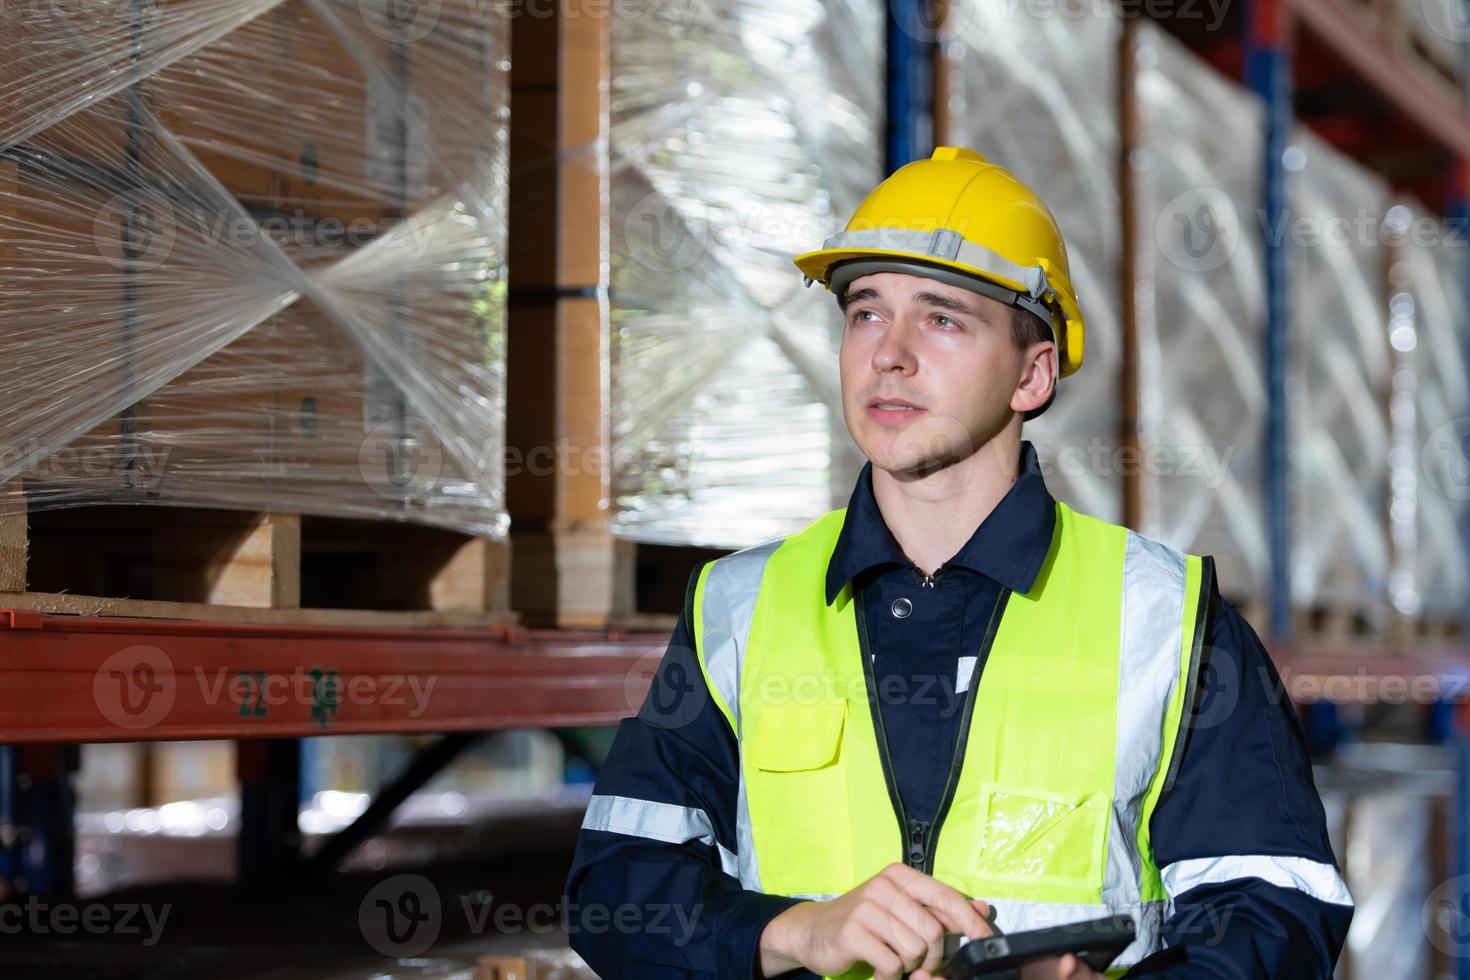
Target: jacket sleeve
point(1240, 838)
point(652, 892)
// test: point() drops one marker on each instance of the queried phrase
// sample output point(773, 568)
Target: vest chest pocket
point(797, 791)
point(793, 737)
point(1034, 836)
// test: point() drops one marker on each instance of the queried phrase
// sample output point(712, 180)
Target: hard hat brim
point(816, 265)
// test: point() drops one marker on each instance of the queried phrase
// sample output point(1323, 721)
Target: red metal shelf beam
point(1313, 671)
point(78, 679)
point(1340, 30)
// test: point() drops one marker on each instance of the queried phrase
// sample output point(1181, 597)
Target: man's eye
point(862, 313)
point(943, 320)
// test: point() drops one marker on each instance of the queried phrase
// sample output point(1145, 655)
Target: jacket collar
point(1009, 546)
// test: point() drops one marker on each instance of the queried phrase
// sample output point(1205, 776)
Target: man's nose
point(895, 350)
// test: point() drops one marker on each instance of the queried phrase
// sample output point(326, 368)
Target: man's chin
point(913, 465)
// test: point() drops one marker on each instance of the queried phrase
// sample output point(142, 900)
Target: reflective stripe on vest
point(724, 601)
point(1069, 729)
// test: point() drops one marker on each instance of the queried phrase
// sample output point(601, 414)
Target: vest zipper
point(972, 693)
point(916, 850)
point(913, 843)
point(919, 835)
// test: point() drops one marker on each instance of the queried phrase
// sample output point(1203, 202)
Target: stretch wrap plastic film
point(1390, 816)
point(1201, 321)
point(1429, 479)
point(252, 254)
point(1338, 379)
point(1024, 91)
point(742, 133)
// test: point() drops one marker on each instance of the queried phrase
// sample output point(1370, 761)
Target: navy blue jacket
point(1241, 833)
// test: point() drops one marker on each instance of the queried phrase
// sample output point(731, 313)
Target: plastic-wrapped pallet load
point(742, 132)
point(253, 257)
point(1201, 398)
point(1338, 378)
point(1389, 808)
point(1025, 91)
point(1429, 480)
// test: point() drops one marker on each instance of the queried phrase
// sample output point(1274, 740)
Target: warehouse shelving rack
point(86, 679)
point(77, 669)
point(1408, 122)
point(1333, 65)
point(70, 678)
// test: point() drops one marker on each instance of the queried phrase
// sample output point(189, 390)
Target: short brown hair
point(1026, 329)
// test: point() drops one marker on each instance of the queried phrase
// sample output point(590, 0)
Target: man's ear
point(1038, 382)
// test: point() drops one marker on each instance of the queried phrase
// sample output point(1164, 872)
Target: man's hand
point(895, 922)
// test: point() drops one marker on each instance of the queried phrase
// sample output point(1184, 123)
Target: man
point(955, 705)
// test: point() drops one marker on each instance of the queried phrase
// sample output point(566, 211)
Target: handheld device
point(1096, 943)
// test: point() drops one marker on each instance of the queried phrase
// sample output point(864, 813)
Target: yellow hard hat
point(958, 218)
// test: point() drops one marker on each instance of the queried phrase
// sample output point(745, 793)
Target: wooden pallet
point(293, 389)
point(247, 567)
point(1427, 631)
point(1323, 622)
point(1385, 630)
point(592, 581)
point(1334, 623)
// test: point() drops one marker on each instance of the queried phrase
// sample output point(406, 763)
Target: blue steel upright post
point(1460, 740)
point(1268, 73)
point(1460, 821)
point(913, 30)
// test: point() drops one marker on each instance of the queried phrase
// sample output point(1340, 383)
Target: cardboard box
point(291, 114)
point(334, 114)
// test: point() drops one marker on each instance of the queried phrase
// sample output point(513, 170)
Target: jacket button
point(902, 607)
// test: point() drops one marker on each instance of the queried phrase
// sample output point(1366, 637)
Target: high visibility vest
point(1071, 728)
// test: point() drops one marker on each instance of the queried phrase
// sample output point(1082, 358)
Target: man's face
point(944, 350)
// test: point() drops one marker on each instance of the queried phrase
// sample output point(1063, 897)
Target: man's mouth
point(893, 410)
